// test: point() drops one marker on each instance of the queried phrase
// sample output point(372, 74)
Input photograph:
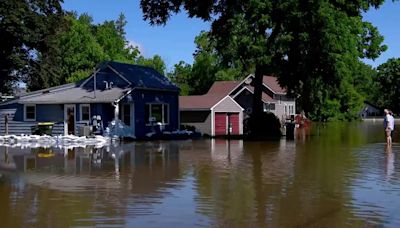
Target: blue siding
point(44, 112)
point(17, 126)
point(141, 97)
point(55, 113)
point(49, 113)
point(105, 110)
point(17, 111)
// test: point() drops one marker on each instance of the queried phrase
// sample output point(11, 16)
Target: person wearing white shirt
point(388, 124)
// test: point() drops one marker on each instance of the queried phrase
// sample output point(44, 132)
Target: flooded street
point(336, 175)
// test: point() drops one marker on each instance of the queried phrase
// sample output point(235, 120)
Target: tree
point(77, 47)
point(80, 50)
point(196, 79)
point(307, 44)
point(209, 65)
point(388, 85)
point(24, 26)
point(181, 75)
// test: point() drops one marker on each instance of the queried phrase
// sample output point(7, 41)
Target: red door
point(220, 124)
point(234, 121)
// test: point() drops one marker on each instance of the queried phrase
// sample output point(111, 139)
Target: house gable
point(225, 104)
point(104, 78)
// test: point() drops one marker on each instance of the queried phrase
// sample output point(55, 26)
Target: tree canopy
point(312, 46)
point(207, 67)
point(387, 85)
point(25, 27)
point(79, 46)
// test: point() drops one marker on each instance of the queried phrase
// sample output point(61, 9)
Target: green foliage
point(388, 85)
point(80, 49)
point(24, 29)
point(208, 66)
point(181, 75)
point(78, 46)
point(268, 121)
point(314, 47)
point(79, 75)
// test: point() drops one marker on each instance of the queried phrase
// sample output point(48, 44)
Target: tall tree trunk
point(255, 127)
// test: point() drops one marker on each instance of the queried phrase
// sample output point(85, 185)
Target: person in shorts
point(388, 124)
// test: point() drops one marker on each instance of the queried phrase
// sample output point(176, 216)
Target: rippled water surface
point(335, 175)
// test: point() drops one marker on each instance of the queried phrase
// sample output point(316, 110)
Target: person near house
point(388, 123)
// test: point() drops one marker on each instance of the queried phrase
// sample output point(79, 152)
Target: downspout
point(116, 110)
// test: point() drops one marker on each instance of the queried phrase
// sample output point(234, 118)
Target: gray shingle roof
point(75, 95)
point(138, 76)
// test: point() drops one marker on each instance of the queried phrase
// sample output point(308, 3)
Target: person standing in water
point(388, 123)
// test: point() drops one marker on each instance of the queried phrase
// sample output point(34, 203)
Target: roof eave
point(158, 89)
point(194, 109)
point(66, 102)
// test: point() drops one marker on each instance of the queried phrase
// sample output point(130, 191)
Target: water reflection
point(85, 186)
point(334, 175)
point(375, 191)
point(390, 157)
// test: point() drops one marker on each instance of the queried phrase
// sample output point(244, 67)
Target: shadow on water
point(338, 174)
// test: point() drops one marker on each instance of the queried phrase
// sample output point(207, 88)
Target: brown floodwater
point(334, 175)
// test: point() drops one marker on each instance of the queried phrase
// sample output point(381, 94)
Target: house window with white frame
point(85, 112)
point(268, 107)
point(158, 112)
point(291, 109)
point(30, 112)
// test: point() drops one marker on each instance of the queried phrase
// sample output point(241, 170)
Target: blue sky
point(175, 41)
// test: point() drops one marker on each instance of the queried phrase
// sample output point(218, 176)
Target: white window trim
point(29, 105)
point(291, 110)
point(162, 110)
point(269, 110)
point(81, 114)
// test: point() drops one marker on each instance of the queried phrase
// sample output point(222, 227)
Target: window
point(158, 112)
point(85, 112)
point(269, 107)
point(30, 112)
point(291, 109)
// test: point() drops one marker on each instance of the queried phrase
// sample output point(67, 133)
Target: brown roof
point(265, 97)
point(273, 84)
point(202, 102)
point(223, 87)
point(217, 92)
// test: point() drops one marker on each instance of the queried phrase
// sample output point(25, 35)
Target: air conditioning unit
point(85, 130)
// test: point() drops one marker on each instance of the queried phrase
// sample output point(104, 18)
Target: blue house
point(139, 96)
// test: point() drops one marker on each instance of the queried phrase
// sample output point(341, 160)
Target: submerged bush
point(269, 122)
